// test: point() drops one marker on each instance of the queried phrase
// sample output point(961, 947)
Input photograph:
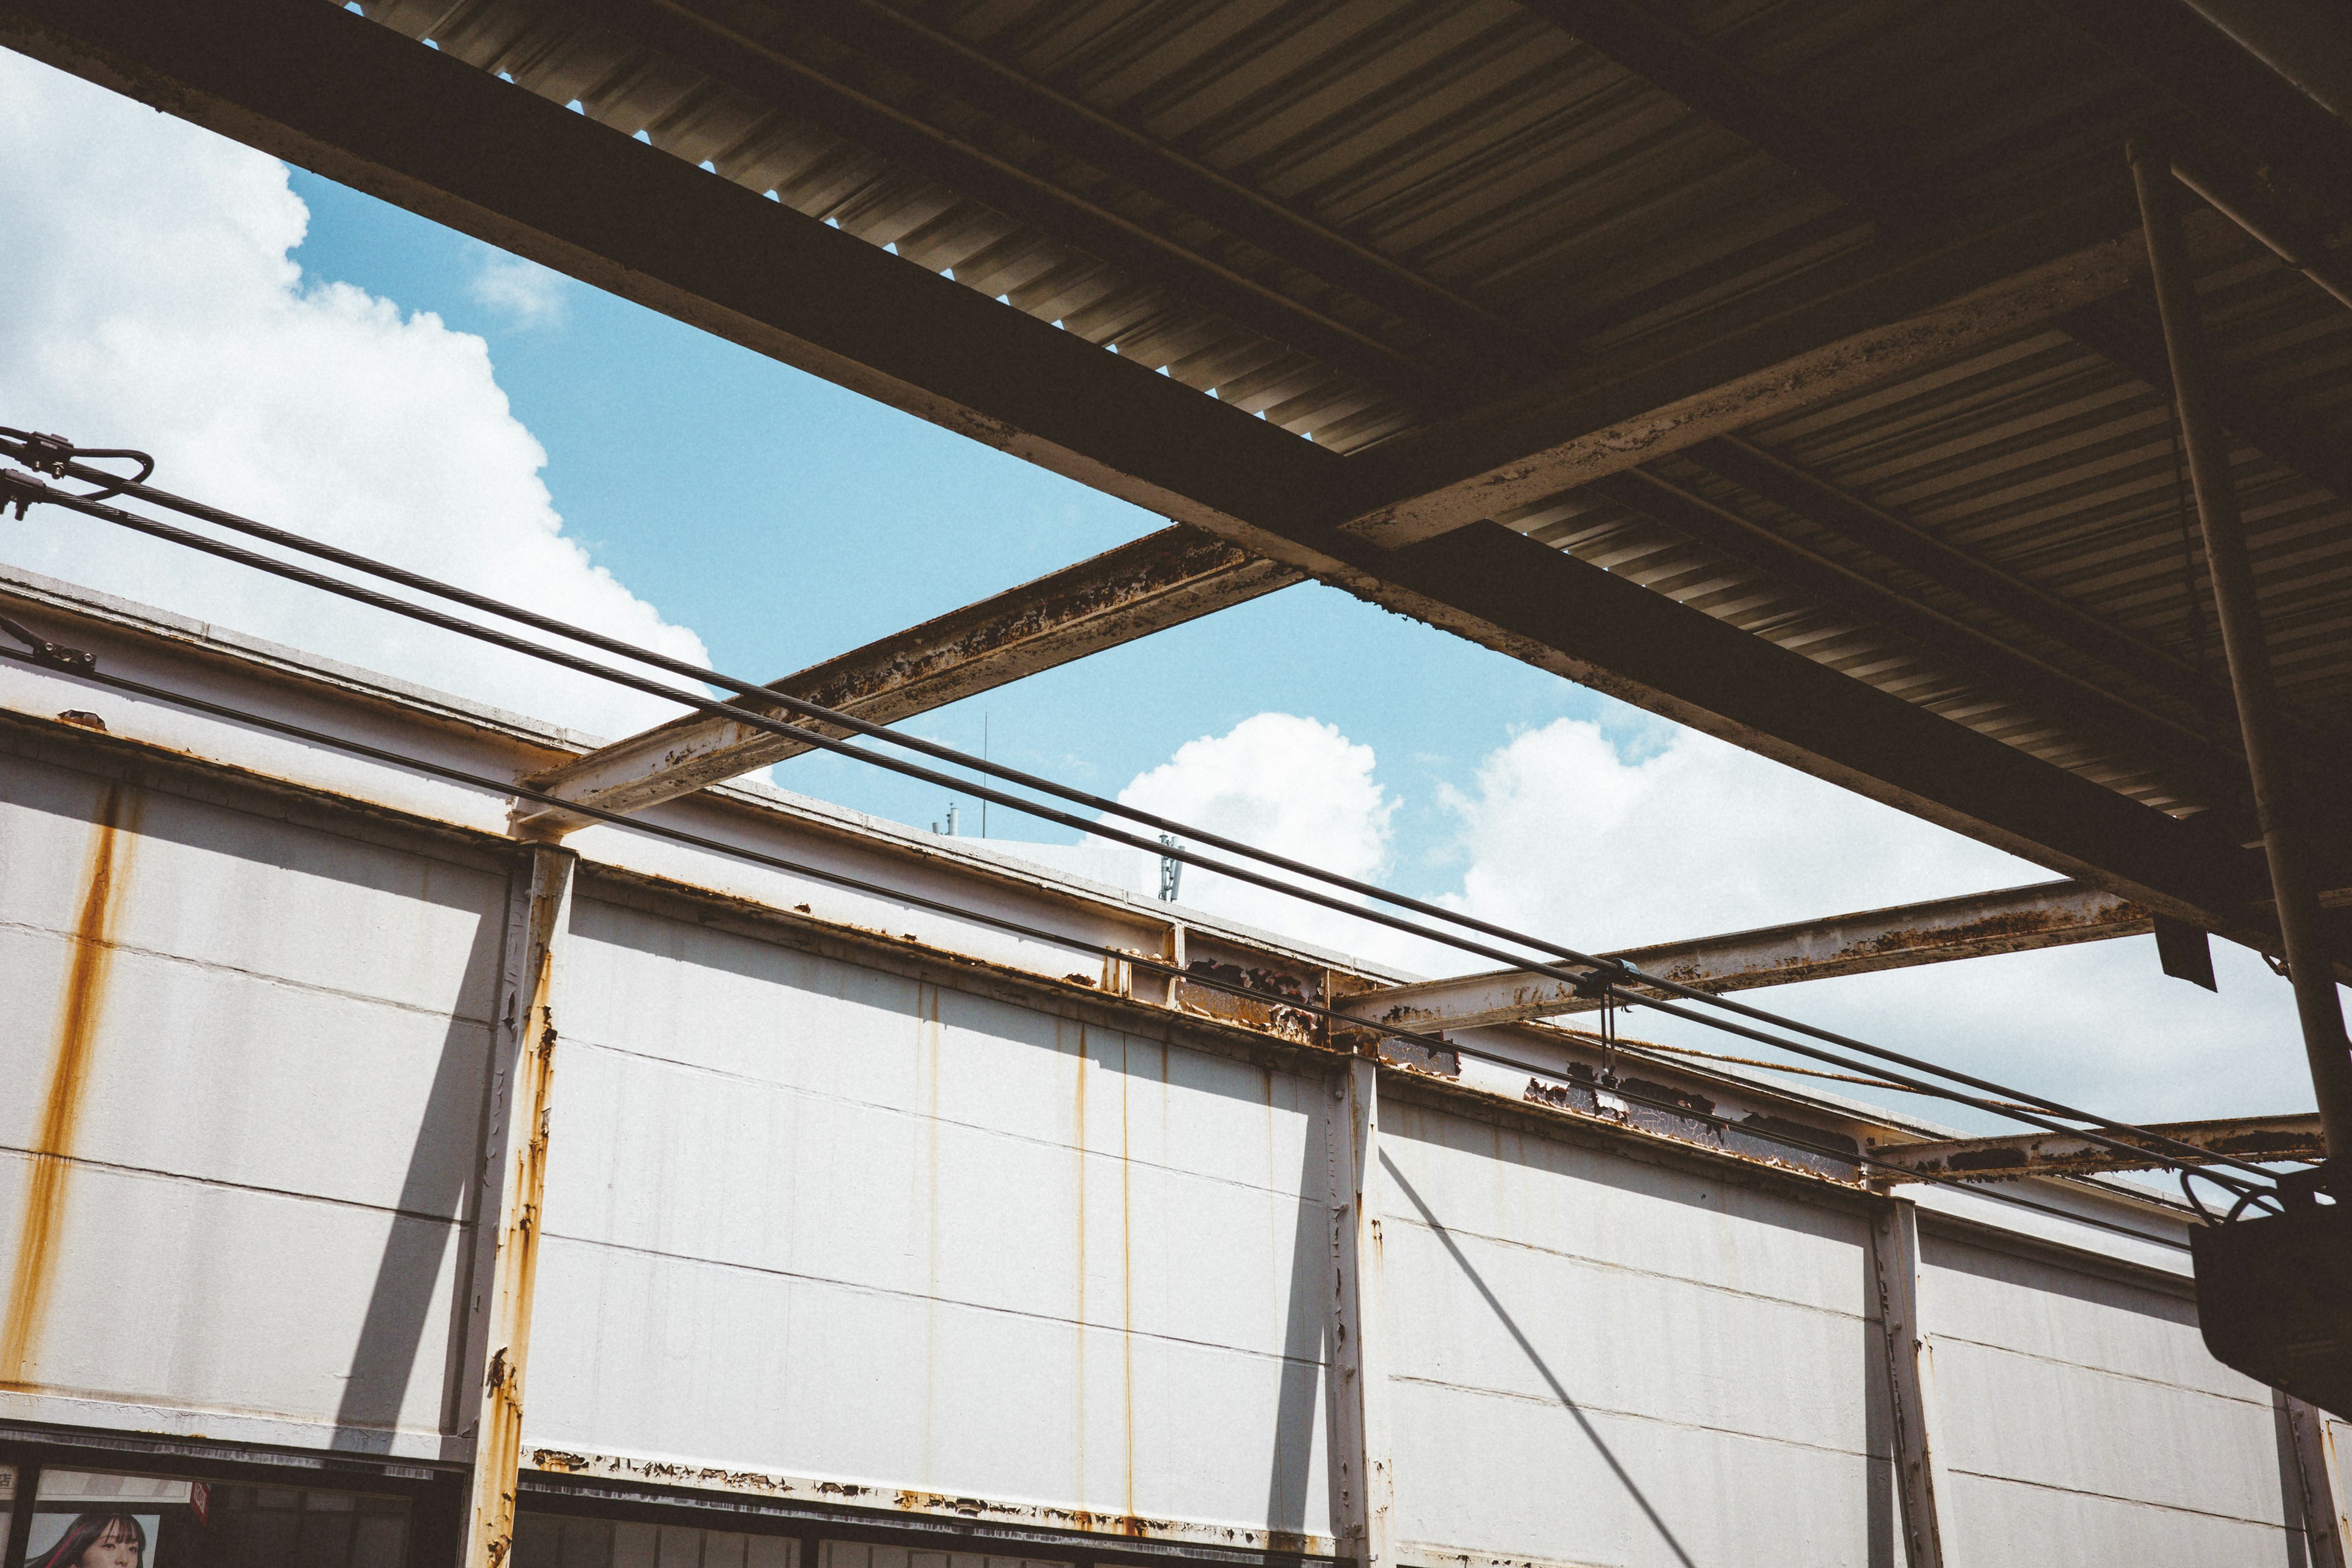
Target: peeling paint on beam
point(1174, 576)
point(1653, 399)
point(2016, 920)
point(1005, 1516)
point(2056, 1154)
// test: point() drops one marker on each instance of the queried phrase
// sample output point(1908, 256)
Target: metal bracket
point(20, 491)
point(57, 656)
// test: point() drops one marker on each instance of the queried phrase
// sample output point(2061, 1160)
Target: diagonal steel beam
point(2055, 1155)
point(940, 61)
point(1175, 576)
point(362, 104)
point(1637, 36)
point(2133, 340)
point(2015, 920)
point(2173, 742)
point(750, 63)
point(1883, 308)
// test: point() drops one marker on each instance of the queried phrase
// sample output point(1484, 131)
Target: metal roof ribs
point(1806, 495)
point(2166, 740)
point(2227, 90)
point(1873, 313)
point(1723, 90)
point(2015, 920)
point(2131, 339)
point(942, 61)
point(361, 104)
point(751, 65)
point(1163, 580)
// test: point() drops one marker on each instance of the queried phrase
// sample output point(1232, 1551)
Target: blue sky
point(786, 521)
point(331, 365)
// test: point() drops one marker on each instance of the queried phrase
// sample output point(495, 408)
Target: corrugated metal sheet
point(2049, 462)
point(1486, 148)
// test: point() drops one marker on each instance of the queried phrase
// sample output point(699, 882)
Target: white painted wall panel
point(1597, 1360)
point(2070, 1397)
point(275, 1102)
point(175, 1303)
point(884, 1232)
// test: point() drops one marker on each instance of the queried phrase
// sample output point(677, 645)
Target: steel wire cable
point(1434, 1043)
point(1610, 975)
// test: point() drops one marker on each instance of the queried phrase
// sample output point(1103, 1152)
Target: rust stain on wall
point(104, 876)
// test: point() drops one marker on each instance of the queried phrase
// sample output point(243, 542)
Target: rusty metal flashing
point(83, 1447)
point(829, 1503)
point(223, 648)
point(2051, 1153)
point(1677, 1108)
point(2047, 914)
point(141, 764)
point(1243, 1025)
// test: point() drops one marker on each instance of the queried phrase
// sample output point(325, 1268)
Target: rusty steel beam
point(364, 106)
point(1170, 577)
point(1363, 1478)
point(752, 63)
point(2057, 1154)
point(1880, 310)
point(512, 1179)
point(941, 62)
point(2283, 816)
point(1920, 1481)
point(2016, 920)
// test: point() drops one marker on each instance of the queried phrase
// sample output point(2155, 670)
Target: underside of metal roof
point(1825, 323)
point(1358, 219)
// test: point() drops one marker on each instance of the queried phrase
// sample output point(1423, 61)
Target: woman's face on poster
point(118, 1547)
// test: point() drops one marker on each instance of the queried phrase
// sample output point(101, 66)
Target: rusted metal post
point(1362, 1483)
point(511, 1182)
point(2309, 963)
point(2325, 1525)
point(1910, 1383)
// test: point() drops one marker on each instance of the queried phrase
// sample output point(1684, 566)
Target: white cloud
point(527, 294)
point(1284, 784)
point(1575, 833)
point(152, 303)
point(1563, 833)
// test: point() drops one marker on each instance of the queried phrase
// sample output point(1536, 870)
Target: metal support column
point(1910, 1384)
point(2309, 963)
point(1362, 1483)
point(511, 1180)
point(2326, 1528)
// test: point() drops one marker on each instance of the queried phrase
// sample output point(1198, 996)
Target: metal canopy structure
point(1792, 373)
point(1824, 376)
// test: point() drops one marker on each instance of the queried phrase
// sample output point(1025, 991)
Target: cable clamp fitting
point(46, 454)
point(19, 491)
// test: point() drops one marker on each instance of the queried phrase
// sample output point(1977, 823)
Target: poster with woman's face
point(95, 1540)
point(88, 1520)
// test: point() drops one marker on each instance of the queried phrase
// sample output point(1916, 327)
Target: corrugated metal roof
point(1485, 152)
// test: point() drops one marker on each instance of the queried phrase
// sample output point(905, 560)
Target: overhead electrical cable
point(1603, 977)
point(1778, 1135)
